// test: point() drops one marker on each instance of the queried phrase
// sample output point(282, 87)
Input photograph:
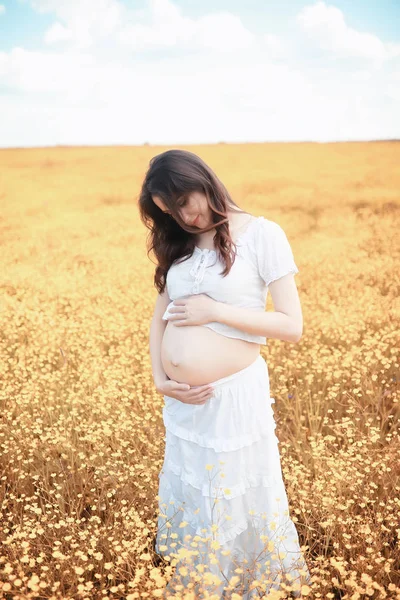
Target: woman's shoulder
point(266, 236)
point(258, 228)
point(267, 226)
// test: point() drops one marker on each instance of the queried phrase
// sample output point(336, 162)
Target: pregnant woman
point(222, 499)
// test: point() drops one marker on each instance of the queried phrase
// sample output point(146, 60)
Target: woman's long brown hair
point(172, 176)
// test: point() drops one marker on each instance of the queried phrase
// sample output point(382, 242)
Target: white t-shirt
point(263, 255)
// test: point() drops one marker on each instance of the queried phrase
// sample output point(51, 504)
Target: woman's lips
point(195, 221)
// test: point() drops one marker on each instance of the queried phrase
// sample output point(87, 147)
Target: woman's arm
point(284, 323)
point(157, 328)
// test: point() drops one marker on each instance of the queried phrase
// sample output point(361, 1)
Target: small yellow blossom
point(305, 590)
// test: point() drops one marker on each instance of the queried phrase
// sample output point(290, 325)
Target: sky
point(163, 72)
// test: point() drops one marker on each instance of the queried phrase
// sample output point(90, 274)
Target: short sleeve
point(274, 253)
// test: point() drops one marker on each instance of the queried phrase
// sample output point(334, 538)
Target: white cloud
point(275, 45)
point(129, 76)
point(40, 72)
point(223, 32)
point(326, 26)
point(2, 9)
point(82, 21)
point(160, 25)
point(167, 27)
point(57, 33)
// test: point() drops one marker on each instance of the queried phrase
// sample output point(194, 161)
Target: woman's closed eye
point(181, 204)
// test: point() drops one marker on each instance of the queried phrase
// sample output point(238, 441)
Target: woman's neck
point(236, 224)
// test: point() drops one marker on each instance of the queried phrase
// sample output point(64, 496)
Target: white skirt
point(222, 498)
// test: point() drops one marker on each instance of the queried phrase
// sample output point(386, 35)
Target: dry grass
point(81, 428)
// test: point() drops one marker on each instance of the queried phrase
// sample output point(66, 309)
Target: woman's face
point(194, 211)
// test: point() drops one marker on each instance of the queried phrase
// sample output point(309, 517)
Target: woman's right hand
point(183, 392)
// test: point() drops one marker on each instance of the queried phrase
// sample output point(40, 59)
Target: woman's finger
point(200, 396)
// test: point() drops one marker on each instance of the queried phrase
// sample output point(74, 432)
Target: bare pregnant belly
point(197, 355)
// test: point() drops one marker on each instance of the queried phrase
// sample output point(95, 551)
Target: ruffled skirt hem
point(222, 498)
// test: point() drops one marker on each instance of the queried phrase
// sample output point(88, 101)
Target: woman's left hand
point(195, 310)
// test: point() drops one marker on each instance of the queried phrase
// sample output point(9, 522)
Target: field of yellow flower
point(81, 429)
